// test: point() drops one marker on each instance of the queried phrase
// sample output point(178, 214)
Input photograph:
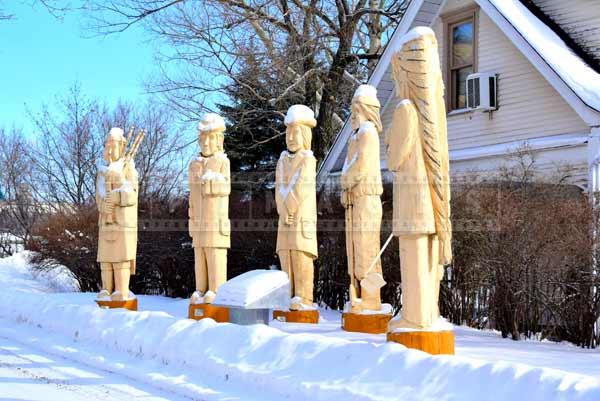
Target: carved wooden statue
point(117, 199)
point(295, 196)
point(210, 186)
point(361, 197)
point(417, 153)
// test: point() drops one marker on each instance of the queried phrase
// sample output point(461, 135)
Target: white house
point(545, 55)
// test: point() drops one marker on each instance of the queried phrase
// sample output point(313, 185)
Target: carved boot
point(196, 298)
point(209, 297)
point(370, 300)
point(106, 273)
point(121, 273)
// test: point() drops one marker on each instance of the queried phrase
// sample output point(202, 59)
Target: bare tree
point(318, 50)
point(163, 155)
point(19, 211)
point(69, 139)
point(67, 145)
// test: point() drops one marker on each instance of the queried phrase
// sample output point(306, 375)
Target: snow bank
point(16, 273)
point(580, 77)
point(296, 366)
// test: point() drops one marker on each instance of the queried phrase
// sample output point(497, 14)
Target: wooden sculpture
point(417, 153)
point(117, 199)
point(295, 196)
point(209, 226)
point(361, 198)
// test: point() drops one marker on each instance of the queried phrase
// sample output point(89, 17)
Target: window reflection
point(462, 39)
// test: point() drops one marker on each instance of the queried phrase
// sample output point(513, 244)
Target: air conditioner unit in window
point(481, 91)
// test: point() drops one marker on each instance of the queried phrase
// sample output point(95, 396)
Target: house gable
point(525, 94)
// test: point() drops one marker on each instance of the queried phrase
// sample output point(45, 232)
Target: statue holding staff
point(361, 198)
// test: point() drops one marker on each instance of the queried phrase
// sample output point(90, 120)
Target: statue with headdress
point(117, 199)
point(417, 153)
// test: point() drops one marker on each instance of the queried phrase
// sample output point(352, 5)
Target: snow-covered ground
point(26, 373)
point(158, 348)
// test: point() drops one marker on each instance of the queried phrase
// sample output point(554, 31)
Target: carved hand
point(290, 219)
point(346, 201)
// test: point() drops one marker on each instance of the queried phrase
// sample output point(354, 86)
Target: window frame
point(450, 20)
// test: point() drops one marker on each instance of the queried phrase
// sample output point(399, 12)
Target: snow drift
point(267, 361)
point(298, 366)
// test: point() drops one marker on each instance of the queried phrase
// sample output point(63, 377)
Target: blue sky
point(41, 57)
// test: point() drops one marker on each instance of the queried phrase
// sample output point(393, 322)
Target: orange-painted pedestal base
point(297, 316)
point(201, 311)
point(366, 323)
point(432, 342)
point(130, 304)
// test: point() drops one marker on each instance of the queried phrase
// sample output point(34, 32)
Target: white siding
point(550, 165)
point(528, 106)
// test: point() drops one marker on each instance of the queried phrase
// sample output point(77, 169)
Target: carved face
point(357, 117)
point(112, 150)
point(208, 143)
point(293, 138)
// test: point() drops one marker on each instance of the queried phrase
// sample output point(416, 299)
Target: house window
point(461, 55)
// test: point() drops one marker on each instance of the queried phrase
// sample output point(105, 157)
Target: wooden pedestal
point(130, 304)
point(366, 323)
point(201, 311)
point(432, 342)
point(297, 316)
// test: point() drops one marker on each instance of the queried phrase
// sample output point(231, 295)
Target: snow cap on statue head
point(303, 117)
point(211, 122)
point(300, 114)
point(366, 94)
point(116, 134)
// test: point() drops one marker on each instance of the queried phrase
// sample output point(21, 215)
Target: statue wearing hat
point(295, 196)
point(361, 197)
point(417, 153)
point(209, 226)
point(117, 199)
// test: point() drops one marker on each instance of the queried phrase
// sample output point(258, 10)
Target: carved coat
point(362, 188)
point(210, 186)
point(361, 174)
point(295, 193)
point(117, 236)
point(413, 207)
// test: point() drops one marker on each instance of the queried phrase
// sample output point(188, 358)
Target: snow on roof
point(580, 77)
